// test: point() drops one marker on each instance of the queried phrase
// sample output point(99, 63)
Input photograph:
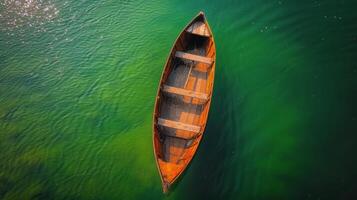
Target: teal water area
point(78, 81)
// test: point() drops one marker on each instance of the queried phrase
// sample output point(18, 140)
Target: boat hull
point(183, 100)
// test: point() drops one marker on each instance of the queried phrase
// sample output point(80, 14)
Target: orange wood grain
point(174, 146)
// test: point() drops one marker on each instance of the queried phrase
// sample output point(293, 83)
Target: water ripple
point(26, 13)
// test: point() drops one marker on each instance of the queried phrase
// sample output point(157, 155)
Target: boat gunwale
point(165, 185)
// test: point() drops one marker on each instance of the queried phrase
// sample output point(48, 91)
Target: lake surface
point(78, 81)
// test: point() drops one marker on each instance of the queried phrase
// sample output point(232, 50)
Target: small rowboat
point(183, 100)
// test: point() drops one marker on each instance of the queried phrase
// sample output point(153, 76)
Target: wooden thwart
point(184, 92)
point(183, 100)
point(178, 125)
point(193, 57)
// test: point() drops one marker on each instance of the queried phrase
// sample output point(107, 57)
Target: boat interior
point(184, 97)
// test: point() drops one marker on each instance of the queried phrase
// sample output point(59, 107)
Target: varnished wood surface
point(193, 57)
point(184, 92)
point(199, 28)
point(178, 125)
point(183, 100)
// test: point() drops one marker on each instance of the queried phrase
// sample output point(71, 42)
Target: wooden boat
point(183, 99)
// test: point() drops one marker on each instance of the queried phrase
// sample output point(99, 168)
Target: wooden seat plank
point(193, 57)
point(178, 125)
point(184, 92)
point(199, 28)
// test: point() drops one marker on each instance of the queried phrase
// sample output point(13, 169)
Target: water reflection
point(30, 13)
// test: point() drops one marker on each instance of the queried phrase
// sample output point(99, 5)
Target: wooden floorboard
point(182, 109)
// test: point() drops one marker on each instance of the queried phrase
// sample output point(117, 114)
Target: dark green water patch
point(77, 91)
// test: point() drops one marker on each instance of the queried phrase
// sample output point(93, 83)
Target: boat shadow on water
point(214, 169)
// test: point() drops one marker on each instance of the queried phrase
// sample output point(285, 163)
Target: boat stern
point(165, 187)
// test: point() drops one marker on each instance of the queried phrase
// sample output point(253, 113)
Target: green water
point(78, 81)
